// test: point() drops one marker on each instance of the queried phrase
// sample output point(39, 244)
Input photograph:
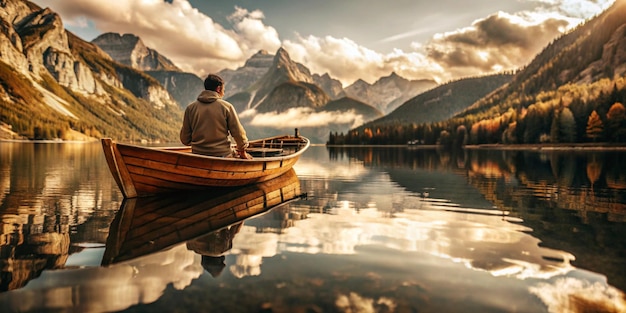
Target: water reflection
point(381, 230)
point(49, 196)
point(573, 200)
point(154, 243)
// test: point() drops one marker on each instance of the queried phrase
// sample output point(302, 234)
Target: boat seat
point(264, 152)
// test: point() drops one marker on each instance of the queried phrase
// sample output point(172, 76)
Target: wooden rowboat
point(147, 225)
point(144, 171)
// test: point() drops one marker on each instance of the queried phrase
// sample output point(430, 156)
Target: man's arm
point(185, 130)
point(237, 132)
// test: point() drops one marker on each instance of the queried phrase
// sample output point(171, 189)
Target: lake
point(371, 229)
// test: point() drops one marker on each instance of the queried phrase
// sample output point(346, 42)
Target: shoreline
point(552, 147)
point(538, 147)
point(47, 141)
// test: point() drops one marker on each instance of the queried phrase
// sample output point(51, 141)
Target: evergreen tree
point(567, 126)
point(555, 126)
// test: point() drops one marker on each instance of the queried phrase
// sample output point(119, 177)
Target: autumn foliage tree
point(616, 123)
point(595, 127)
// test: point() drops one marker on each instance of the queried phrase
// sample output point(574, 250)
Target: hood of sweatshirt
point(208, 96)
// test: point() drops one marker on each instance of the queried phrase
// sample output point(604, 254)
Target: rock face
point(129, 50)
point(34, 43)
point(184, 87)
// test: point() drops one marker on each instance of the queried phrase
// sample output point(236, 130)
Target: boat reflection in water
point(154, 242)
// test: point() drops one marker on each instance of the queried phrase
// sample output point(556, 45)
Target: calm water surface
point(380, 230)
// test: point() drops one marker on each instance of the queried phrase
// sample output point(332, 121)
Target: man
point(210, 120)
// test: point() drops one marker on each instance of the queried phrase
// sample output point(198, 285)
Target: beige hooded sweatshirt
point(207, 124)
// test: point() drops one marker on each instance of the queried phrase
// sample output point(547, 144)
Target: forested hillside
point(573, 92)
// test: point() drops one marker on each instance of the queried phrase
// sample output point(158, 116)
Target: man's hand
point(244, 155)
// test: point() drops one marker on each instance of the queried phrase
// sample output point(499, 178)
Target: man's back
point(207, 124)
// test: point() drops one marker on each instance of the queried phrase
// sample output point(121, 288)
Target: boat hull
point(146, 225)
point(144, 171)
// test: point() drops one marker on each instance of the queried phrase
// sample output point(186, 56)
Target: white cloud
point(355, 303)
point(574, 295)
point(253, 33)
point(576, 8)
point(498, 42)
point(347, 61)
point(188, 37)
point(196, 43)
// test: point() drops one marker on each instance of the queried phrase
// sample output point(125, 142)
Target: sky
point(442, 40)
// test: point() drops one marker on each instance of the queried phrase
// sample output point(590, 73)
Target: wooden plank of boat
point(150, 224)
point(144, 171)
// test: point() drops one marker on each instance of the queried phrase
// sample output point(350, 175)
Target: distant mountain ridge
point(393, 87)
point(445, 101)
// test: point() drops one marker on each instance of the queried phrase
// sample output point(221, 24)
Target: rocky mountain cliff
point(130, 50)
point(55, 85)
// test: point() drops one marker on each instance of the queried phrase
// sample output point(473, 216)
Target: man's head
point(215, 83)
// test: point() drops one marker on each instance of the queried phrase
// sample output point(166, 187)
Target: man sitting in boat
point(210, 120)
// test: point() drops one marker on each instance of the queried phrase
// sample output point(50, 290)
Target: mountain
point(130, 50)
point(580, 74)
point(574, 91)
point(388, 92)
point(259, 64)
point(445, 101)
point(287, 87)
point(54, 85)
point(282, 70)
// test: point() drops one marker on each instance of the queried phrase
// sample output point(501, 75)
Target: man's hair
point(212, 82)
